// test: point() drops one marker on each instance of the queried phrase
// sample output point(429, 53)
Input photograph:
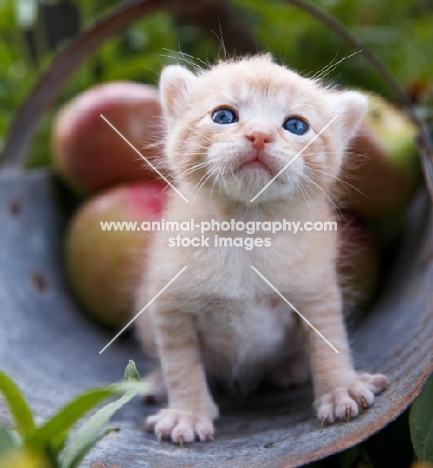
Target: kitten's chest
point(236, 335)
point(237, 273)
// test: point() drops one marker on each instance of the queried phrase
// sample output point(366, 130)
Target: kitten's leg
point(145, 331)
point(339, 390)
point(191, 410)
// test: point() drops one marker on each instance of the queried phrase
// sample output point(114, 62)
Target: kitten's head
point(234, 127)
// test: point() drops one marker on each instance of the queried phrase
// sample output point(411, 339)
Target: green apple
point(104, 266)
point(382, 169)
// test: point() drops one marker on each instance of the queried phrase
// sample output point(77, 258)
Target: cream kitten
point(229, 131)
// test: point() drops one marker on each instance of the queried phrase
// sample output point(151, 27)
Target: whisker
point(330, 68)
point(203, 180)
point(203, 136)
point(196, 66)
point(220, 39)
point(193, 57)
point(339, 179)
point(190, 170)
point(318, 73)
point(307, 198)
point(181, 56)
point(332, 202)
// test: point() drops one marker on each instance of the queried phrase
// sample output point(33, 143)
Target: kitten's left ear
point(351, 107)
point(174, 86)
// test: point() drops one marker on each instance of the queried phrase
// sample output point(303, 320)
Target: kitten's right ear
point(175, 84)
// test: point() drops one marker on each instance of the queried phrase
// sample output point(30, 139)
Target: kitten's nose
point(259, 134)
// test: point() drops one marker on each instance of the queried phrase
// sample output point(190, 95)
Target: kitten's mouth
point(257, 163)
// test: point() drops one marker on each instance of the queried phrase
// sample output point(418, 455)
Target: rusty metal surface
point(51, 349)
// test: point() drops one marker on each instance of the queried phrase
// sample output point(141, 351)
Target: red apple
point(104, 266)
point(358, 263)
point(382, 165)
point(89, 154)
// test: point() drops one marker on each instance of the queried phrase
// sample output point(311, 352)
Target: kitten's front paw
point(344, 403)
point(180, 426)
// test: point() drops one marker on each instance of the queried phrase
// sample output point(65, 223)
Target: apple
point(103, 266)
point(382, 169)
point(88, 154)
point(358, 262)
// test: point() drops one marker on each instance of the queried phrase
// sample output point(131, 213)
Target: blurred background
point(31, 31)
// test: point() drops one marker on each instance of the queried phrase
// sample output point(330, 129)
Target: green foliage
point(421, 423)
point(53, 432)
point(131, 373)
point(89, 434)
point(49, 439)
point(300, 41)
point(139, 53)
point(8, 440)
point(17, 406)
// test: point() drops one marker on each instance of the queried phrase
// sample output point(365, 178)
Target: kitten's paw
point(344, 403)
point(180, 426)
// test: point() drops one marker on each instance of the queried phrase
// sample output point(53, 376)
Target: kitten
point(229, 131)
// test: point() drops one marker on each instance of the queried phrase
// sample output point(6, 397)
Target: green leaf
point(131, 373)
point(8, 440)
point(86, 449)
point(53, 432)
point(421, 423)
point(139, 388)
point(17, 406)
point(88, 435)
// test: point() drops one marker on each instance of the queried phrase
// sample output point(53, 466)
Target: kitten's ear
point(351, 107)
point(174, 86)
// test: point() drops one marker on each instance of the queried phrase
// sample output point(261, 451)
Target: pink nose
point(259, 135)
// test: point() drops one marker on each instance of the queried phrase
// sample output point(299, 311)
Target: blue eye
point(295, 125)
point(224, 116)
